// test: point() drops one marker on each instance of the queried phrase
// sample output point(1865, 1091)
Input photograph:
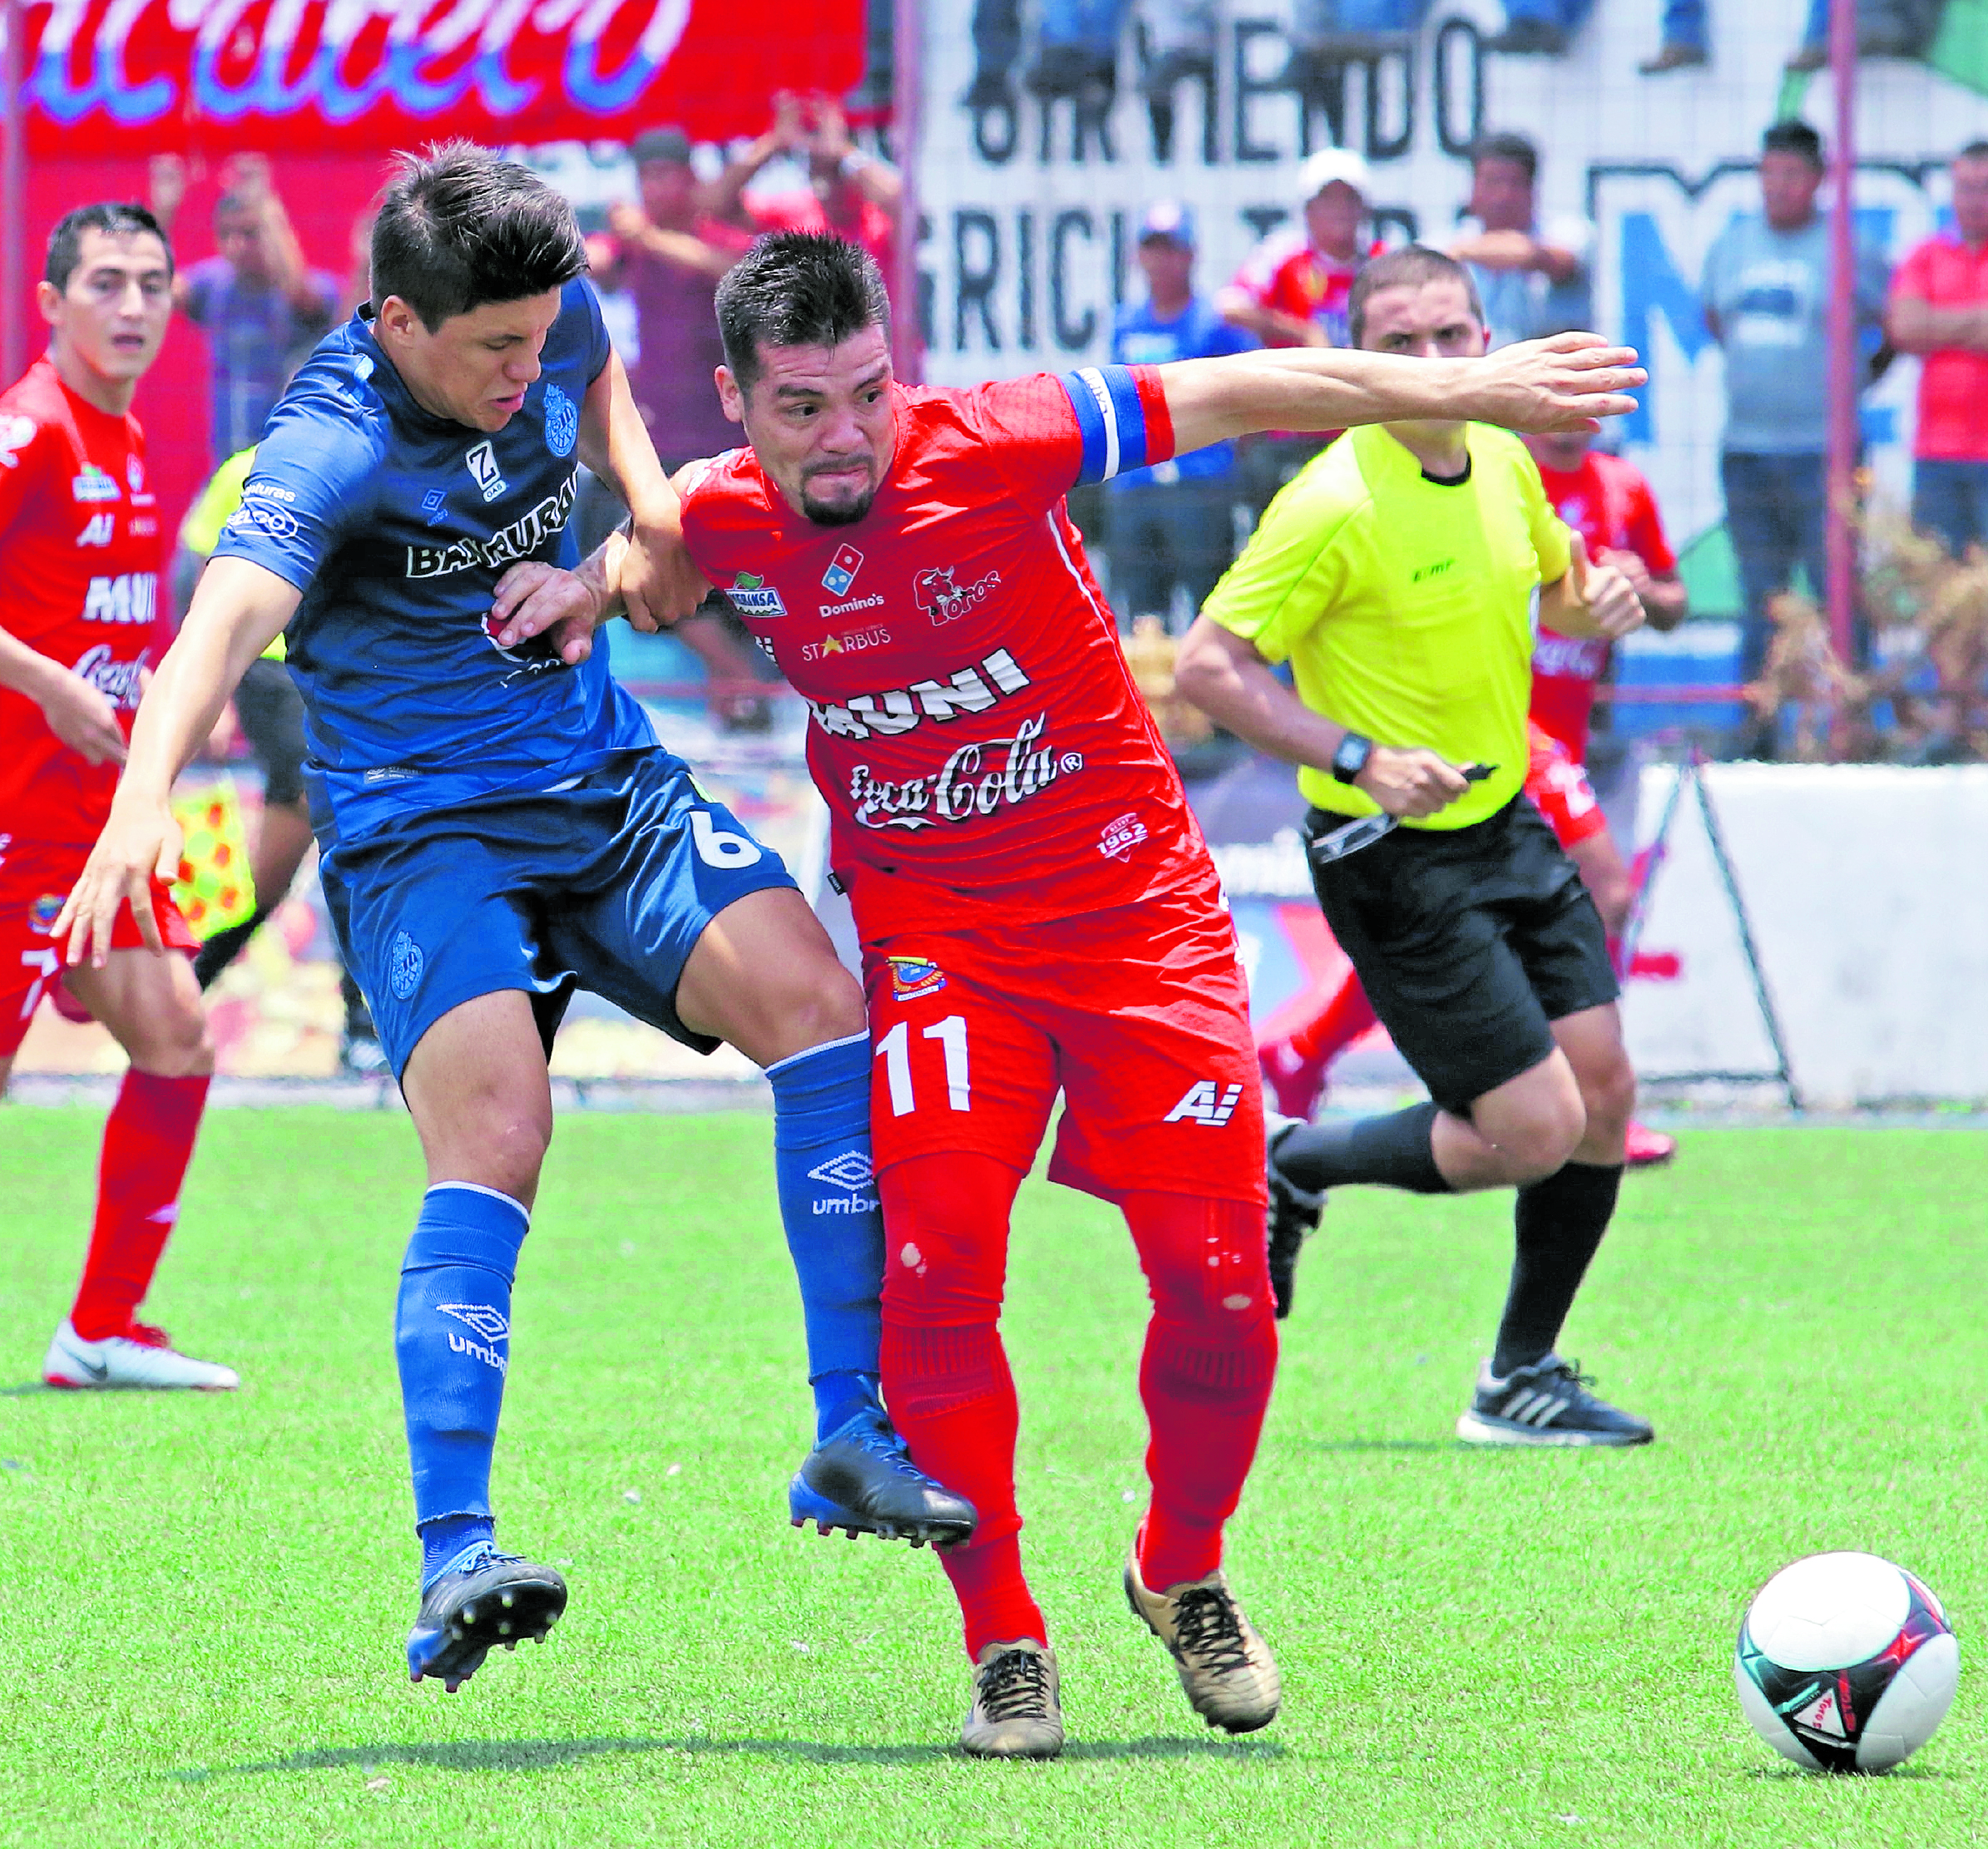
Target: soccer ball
point(1846, 1663)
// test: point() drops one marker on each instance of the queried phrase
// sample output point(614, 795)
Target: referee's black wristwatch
point(1350, 759)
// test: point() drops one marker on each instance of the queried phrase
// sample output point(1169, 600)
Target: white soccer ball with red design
point(1846, 1663)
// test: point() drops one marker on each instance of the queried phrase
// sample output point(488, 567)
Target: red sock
point(1346, 1015)
point(147, 1143)
point(1205, 1377)
point(946, 1376)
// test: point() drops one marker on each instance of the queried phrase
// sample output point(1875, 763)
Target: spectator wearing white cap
point(1292, 291)
point(1171, 524)
point(1532, 275)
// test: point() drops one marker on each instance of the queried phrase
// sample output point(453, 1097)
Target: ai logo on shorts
point(913, 978)
point(1204, 1105)
point(563, 421)
point(404, 964)
point(482, 465)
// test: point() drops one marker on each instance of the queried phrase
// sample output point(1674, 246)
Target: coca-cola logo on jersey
point(978, 779)
point(117, 681)
point(1571, 657)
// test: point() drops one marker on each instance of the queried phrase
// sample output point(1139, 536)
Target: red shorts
point(1560, 789)
point(35, 878)
point(1139, 1015)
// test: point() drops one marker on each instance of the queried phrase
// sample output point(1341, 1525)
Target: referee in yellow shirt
point(1398, 575)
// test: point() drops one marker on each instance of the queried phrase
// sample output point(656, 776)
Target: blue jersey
point(1141, 338)
point(396, 525)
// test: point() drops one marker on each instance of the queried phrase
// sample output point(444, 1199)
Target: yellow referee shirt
point(1405, 605)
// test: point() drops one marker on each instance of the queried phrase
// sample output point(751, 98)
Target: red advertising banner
point(328, 77)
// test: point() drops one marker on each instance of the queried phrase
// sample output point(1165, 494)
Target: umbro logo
point(489, 1322)
point(492, 1324)
point(850, 1171)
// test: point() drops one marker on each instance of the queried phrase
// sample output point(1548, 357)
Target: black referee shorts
point(1469, 943)
point(271, 711)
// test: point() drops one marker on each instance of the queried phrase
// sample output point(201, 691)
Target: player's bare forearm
point(26, 671)
point(657, 582)
point(238, 609)
point(1567, 382)
point(1223, 674)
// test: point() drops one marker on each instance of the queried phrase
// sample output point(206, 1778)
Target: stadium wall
point(1869, 907)
point(1027, 221)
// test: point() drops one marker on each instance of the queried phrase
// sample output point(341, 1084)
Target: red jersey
point(79, 582)
point(1608, 503)
point(983, 751)
point(1285, 272)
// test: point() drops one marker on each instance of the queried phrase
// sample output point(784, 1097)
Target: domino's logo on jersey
point(482, 465)
point(563, 422)
point(841, 571)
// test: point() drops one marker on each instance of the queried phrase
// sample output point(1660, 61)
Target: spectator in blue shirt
point(1173, 523)
point(261, 307)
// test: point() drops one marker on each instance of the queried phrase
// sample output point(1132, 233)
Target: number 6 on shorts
point(894, 1050)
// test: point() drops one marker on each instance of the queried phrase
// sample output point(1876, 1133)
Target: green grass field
point(202, 1601)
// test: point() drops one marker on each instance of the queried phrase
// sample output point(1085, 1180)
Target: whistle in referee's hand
point(1477, 773)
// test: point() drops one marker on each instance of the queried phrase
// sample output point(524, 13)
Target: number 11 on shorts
point(894, 1050)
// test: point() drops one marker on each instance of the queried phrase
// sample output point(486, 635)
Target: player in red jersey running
point(1036, 908)
point(79, 555)
point(1608, 501)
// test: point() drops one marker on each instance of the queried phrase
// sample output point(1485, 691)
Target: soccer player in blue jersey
point(499, 826)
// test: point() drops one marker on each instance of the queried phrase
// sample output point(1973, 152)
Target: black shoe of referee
point(1547, 1403)
point(1293, 1215)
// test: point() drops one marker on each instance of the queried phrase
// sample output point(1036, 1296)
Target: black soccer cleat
point(1293, 1216)
point(1547, 1403)
point(861, 1479)
point(480, 1599)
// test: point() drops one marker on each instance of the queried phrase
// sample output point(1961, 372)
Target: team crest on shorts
point(43, 913)
point(404, 964)
point(913, 978)
point(563, 421)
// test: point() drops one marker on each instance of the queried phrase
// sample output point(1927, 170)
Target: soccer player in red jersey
point(1609, 502)
point(1037, 910)
point(79, 555)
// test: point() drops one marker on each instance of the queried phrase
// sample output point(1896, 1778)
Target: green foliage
point(202, 1601)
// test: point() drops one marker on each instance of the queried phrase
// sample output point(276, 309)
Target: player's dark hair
point(1408, 268)
point(460, 227)
point(112, 217)
point(1794, 138)
point(797, 288)
point(1975, 150)
point(1507, 146)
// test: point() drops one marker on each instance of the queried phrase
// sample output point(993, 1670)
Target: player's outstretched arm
point(239, 609)
point(1223, 674)
point(1568, 382)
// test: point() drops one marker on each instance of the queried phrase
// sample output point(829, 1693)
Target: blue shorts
point(606, 886)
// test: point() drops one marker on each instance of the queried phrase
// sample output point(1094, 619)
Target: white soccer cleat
point(144, 1358)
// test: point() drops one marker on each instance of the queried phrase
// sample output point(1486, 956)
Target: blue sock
point(443, 1539)
point(452, 1330)
point(821, 1143)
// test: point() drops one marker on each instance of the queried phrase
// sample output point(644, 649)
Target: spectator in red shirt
point(1939, 310)
point(850, 195)
point(1292, 291)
